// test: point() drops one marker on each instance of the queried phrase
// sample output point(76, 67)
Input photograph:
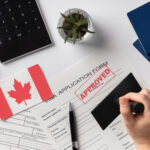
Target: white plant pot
point(85, 14)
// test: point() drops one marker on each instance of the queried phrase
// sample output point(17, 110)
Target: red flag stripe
point(40, 82)
point(5, 111)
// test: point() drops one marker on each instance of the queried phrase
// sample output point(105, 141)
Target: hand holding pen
point(138, 126)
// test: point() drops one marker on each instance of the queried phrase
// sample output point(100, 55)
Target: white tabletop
point(113, 31)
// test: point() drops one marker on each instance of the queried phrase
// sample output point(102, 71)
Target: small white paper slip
point(22, 91)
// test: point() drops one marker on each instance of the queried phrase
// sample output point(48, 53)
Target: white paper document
point(85, 85)
point(23, 132)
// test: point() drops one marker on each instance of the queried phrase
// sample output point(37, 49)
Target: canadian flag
point(22, 91)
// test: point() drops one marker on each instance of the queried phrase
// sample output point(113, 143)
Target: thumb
point(126, 111)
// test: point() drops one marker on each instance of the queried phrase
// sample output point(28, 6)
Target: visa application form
point(85, 85)
point(23, 132)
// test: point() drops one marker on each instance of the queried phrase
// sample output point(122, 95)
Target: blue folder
point(140, 19)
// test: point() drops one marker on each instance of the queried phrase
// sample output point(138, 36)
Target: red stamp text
point(94, 84)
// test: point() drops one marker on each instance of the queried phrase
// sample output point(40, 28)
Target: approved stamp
point(94, 84)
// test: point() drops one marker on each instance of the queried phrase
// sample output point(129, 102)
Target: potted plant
point(75, 25)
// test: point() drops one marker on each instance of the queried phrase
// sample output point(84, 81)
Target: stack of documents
point(140, 20)
point(46, 126)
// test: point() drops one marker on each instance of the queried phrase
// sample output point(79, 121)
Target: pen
point(73, 129)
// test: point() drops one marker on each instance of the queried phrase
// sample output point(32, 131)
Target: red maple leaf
point(21, 93)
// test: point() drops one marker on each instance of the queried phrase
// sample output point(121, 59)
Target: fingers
point(146, 92)
point(126, 111)
point(139, 97)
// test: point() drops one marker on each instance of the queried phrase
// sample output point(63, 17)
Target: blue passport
point(139, 47)
point(140, 19)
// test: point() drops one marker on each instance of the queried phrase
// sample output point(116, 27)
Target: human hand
point(138, 126)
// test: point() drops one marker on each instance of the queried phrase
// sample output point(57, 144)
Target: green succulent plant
point(75, 26)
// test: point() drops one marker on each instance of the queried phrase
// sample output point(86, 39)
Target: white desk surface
point(112, 27)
